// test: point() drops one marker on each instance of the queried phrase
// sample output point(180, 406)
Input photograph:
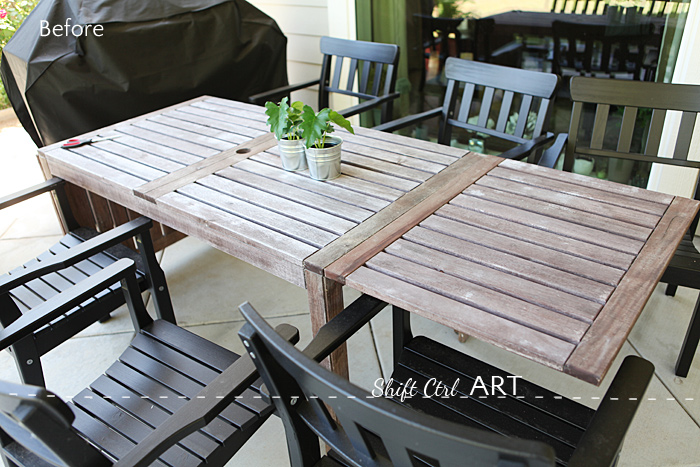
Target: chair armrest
point(367, 105)
point(602, 440)
point(506, 49)
point(30, 192)
point(263, 97)
point(199, 411)
point(409, 120)
point(342, 326)
point(77, 253)
point(524, 150)
point(550, 156)
point(66, 301)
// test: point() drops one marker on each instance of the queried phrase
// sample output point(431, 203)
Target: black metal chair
point(172, 398)
point(371, 76)
point(626, 125)
point(520, 102)
point(585, 7)
point(77, 256)
point(540, 427)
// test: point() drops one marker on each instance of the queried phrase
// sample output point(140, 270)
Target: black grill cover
point(151, 54)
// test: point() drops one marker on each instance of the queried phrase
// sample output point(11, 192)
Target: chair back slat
point(391, 429)
point(523, 114)
point(599, 125)
point(352, 71)
point(485, 110)
point(656, 128)
point(685, 134)
point(338, 69)
point(542, 116)
point(378, 70)
point(504, 113)
point(466, 102)
point(629, 117)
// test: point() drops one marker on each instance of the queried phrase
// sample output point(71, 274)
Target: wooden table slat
point(191, 173)
point(271, 220)
point(483, 298)
point(157, 124)
point(235, 124)
point(576, 308)
point(557, 226)
point(384, 167)
point(117, 162)
point(501, 332)
point(213, 134)
point(539, 237)
point(586, 183)
point(538, 254)
point(594, 207)
point(168, 141)
point(527, 205)
point(72, 165)
point(594, 355)
point(142, 157)
point(291, 179)
point(391, 157)
point(545, 275)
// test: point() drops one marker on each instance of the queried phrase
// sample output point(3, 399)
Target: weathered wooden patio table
point(550, 265)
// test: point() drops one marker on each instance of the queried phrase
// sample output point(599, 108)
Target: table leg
point(326, 301)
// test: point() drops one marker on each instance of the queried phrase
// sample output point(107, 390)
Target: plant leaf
point(277, 120)
point(313, 125)
point(341, 121)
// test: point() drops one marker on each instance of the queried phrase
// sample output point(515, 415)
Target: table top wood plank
point(271, 220)
point(582, 185)
point(118, 162)
point(291, 179)
point(401, 216)
point(513, 265)
point(168, 141)
point(392, 157)
point(174, 180)
point(136, 145)
point(566, 307)
point(383, 167)
point(593, 356)
point(72, 165)
point(171, 120)
point(556, 226)
point(414, 146)
point(356, 179)
point(566, 245)
point(507, 245)
point(527, 205)
point(594, 207)
point(232, 123)
point(338, 208)
point(504, 306)
point(397, 147)
point(157, 162)
point(501, 332)
point(282, 206)
point(152, 124)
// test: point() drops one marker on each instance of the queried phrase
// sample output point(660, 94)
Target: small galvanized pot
point(324, 163)
point(292, 154)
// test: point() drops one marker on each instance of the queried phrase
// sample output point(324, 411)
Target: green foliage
point(14, 13)
point(284, 119)
point(316, 127)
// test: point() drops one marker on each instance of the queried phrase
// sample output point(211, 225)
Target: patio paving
point(207, 286)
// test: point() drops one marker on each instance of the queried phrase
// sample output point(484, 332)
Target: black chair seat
point(531, 412)
point(164, 367)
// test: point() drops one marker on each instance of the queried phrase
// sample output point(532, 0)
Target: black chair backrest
point(371, 431)
point(629, 119)
point(36, 424)
point(496, 93)
point(371, 70)
point(595, 50)
point(585, 7)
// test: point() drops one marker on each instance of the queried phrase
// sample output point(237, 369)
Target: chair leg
point(28, 362)
point(158, 286)
point(671, 290)
point(690, 344)
point(402, 334)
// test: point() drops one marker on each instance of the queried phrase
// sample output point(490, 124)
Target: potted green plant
point(283, 120)
point(322, 150)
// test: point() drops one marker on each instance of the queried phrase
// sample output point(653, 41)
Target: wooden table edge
point(594, 355)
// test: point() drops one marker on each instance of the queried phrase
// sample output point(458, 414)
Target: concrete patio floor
point(208, 285)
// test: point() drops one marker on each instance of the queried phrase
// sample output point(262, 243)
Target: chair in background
point(614, 51)
point(540, 427)
point(585, 7)
point(371, 76)
point(77, 256)
point(172, 398)
point(508, 105)
point(630, 100)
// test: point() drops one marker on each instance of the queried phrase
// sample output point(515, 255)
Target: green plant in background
point(451, 8)
point(12, 13)
point(315, 127)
